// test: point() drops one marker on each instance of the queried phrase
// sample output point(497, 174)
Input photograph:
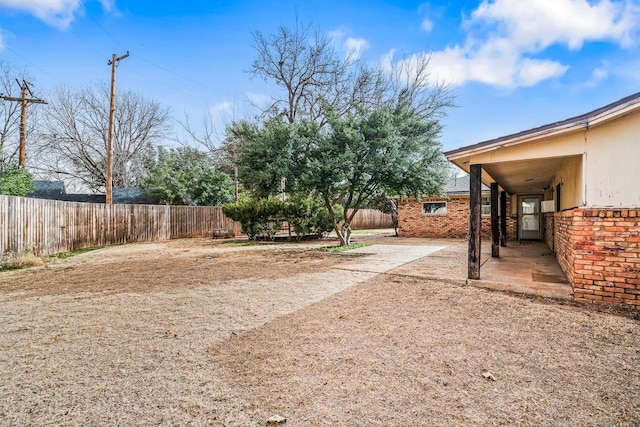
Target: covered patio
point(523, 267)
point(569, 187)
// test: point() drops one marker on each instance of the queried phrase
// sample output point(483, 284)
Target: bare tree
point(316, 79)
point(307, 71)
point(74, 132)
point(10, 114)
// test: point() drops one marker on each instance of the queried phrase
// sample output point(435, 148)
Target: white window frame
point(435, 202)
point(486, 206)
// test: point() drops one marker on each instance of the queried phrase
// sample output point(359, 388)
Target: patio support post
point(475, 221)
point(495, 230)
point(503, 219)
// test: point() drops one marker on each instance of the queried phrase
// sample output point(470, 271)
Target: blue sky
point(512, 64)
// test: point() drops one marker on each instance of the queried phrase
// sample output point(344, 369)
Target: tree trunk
point(338, 231)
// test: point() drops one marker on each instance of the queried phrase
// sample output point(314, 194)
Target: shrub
point(16, 181)
point(265, 217)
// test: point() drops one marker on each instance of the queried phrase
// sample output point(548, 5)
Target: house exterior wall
point(570, 178)
point(570, 144)
point(549, 230)
point(613, 156)
point(599, 251)
point(454, 224)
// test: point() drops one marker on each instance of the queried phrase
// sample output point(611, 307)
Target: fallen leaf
point(488, 375)
point(277, 419)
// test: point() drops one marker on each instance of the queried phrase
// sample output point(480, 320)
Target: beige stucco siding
point(613, 164)
point(554, 146)
point(570, 177)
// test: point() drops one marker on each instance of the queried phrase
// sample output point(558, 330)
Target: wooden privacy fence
point(46, 227)
point(368, 219)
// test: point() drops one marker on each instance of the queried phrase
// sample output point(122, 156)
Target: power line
point(23, 100)
point(104, 30)
point(108, 34)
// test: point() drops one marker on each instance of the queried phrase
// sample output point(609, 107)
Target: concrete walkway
point(523, 267)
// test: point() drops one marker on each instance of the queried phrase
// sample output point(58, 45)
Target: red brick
point(604, 294)
point(615, 228)
point(621, 295)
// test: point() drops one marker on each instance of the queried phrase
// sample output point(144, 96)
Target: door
point(530, 218)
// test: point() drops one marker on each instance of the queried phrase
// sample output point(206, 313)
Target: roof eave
point(584, 121)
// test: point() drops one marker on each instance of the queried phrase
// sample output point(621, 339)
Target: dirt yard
point(203, 332)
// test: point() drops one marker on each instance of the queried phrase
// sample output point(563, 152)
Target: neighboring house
point(573, 184)
point(55, 190)
point(47, 189)
point(444, 217)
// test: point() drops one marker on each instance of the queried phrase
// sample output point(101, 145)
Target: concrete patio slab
point(527, 267)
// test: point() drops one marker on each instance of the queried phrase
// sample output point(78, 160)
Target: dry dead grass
point(22, 259)
point(197, 333)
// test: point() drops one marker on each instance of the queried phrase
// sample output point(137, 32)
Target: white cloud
point(538, 24)
point(353, 47)
point(598, 75)
point(427, 25)
point(57, 13)
point(257, 99)
point(532, 71)
point(107, 5)
point(221, 114)
point(507, 38)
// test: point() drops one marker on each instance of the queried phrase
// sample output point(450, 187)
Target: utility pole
point(112, 110)
point(23, 100)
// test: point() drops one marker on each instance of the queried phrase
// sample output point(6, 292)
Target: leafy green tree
point(349, 161)
point(186, 176)
point(16, 181)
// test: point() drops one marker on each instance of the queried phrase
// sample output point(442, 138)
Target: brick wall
point(455, 224)
point(549, 231)
point(599, 251)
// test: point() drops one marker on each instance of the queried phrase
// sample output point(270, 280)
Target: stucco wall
point(613, 163)
point(570, 178)
point(553, 146)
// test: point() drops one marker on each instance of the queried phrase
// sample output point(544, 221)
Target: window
point(486, 206)
point(434, 208)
